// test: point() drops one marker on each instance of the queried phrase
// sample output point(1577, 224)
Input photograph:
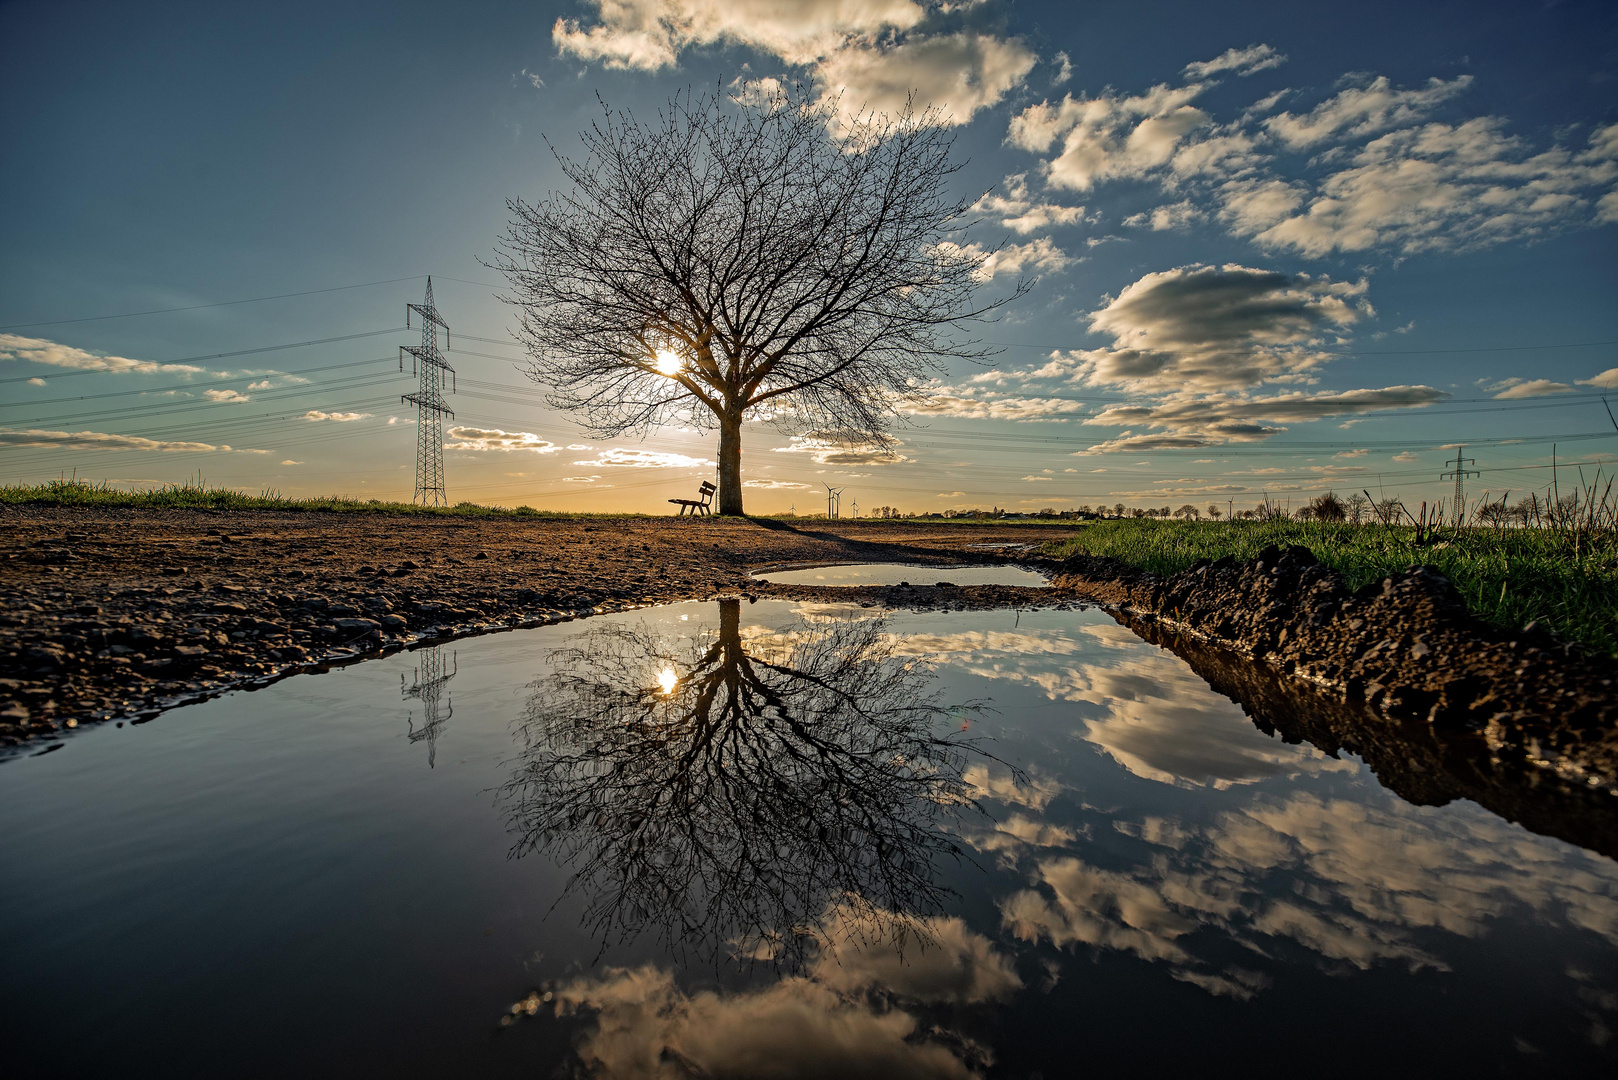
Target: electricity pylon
point(427, 362)
point(1460, 472)
point(430, 680)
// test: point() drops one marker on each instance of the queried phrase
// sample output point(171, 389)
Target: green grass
point(197, 495)
point(1508, 576)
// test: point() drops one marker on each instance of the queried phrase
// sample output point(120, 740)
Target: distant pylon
point(1460, 472)
point(427, 362)
point(429, 687)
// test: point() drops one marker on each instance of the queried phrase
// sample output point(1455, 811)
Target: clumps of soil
point(1405, 648)
point(1423, 763)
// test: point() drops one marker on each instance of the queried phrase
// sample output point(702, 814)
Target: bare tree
point(734, 261)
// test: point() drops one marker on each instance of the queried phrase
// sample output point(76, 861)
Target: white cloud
point(862, 53)
point(1405, 457)
point(829, 452)
point(36, 381)
point(39, 351)
point(969, 404)
point(1510, 389)
point(580, 479)
point(1012, 259)
point(336, 417)
point(617, 458)
point(1217, 328)
point(1163, 218)
point(1430, 188)
point(1364, 110)
point(1019, 211)
point(486, 439)
point(1607, 380)
point(100, 440)
point(289, 461)
point(1248, 61)
point(1064, 70)
point(956, 74)
point(775, 485)
point(225, 397)
point(1108, 137)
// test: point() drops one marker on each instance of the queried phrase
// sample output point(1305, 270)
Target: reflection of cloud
point(645, 1026)
point(1356, 884)
point(952, 964)
point(1159, 721)
point(840, 1020)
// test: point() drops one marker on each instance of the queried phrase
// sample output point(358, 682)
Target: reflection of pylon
point(430, 680)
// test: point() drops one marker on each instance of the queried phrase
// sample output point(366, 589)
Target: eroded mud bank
point(1404, 649)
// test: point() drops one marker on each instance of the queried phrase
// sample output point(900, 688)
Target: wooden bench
point(698, 505)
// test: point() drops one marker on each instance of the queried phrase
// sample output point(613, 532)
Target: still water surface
point(906, 574)
point(950, 844)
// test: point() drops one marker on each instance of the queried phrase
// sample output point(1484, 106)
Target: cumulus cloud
point(1248, 61)
point(1021, 211)
point(483, 439)
point(830, 452)
point(863, 54)
point(1607, 380)
point(973, 404)
point(1163, 218)
point(1217, 328)
point(40, 351)
point(775, 485)
point(226, 397)
point(1369, 168)
point(618, 458)
point(956, 74)
point(1012, 259)
point(100, 440)
point(337, 417)
point(1509, 389)
point(1108, 137)
point(1433, 187)
point(1364, 109)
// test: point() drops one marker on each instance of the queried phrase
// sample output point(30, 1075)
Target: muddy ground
point(115, 614)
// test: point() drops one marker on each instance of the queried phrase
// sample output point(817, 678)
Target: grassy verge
point(197, 495)
point(1509, 576)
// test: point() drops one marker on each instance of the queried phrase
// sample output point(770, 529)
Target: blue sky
point(1280, 247)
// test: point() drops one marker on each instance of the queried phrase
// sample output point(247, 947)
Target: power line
point(199, 307)
point(215, 356)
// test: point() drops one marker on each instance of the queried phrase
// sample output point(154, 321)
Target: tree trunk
point(730, 463)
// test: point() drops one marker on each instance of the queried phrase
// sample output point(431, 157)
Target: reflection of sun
point(669, 363)
point(666, 679)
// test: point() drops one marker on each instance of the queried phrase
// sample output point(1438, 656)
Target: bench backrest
point(707, 488)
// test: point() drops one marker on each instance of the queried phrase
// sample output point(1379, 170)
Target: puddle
point(904, 573)
point(951, 843)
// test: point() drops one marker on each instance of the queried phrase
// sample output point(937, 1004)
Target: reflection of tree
point(722, 795)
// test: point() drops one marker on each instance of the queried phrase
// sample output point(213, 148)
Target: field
point(1564, 580)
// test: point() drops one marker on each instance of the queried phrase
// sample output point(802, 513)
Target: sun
point(669, 363)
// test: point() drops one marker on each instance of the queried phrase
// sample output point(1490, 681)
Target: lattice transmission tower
point(427, 362)
point(1459, 471)
point(429, 687)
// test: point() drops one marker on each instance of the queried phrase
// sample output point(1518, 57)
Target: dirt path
point(110, 614)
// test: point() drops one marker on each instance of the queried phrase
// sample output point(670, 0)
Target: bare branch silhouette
point(734, 261)
point(724, 795)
